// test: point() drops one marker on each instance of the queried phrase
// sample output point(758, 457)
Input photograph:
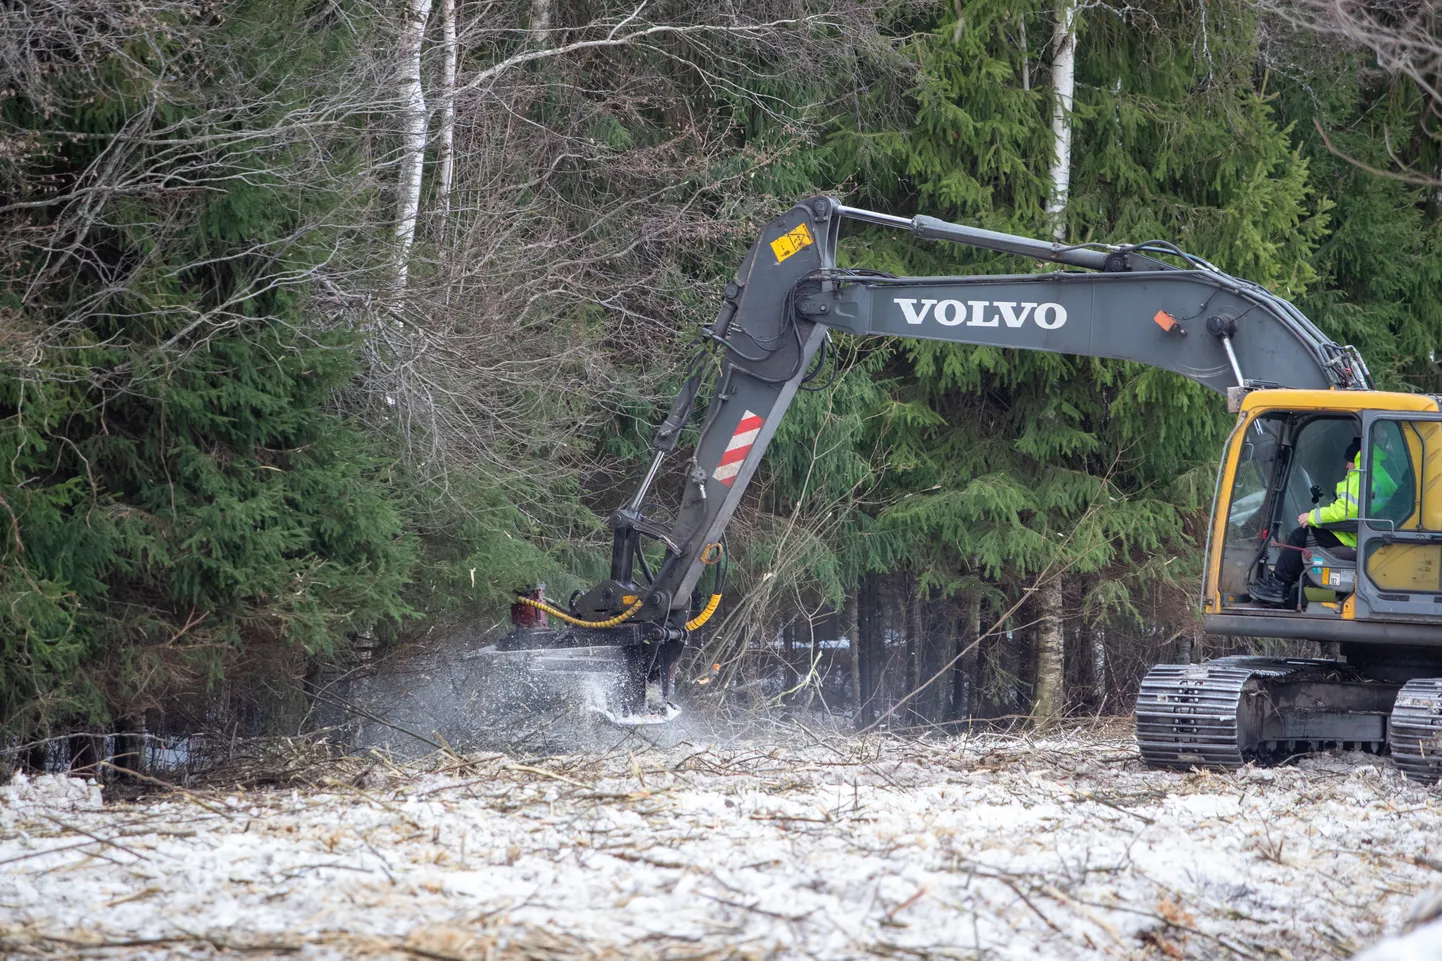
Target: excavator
point(1299, 400)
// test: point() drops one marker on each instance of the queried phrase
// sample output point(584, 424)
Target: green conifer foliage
point(1042, 462)
point(178, 490)
point(1381, 260)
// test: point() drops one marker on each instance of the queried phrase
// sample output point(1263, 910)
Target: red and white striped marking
point(738, 448)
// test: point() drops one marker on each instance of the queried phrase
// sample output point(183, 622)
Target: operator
point(1274, 588)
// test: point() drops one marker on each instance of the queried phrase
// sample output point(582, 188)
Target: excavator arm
point(1121, 302)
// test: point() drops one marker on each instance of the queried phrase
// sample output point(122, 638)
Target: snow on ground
point(822, 847)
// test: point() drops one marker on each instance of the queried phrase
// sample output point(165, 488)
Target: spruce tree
point(1039, 463)
point(1380, 262)
point(179, 491)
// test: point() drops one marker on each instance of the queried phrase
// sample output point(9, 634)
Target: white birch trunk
point(539, 24)
point(1025, 66)
point(450, 55)
point(1063, 83)
point(1099, 666)
point(413, 137)
point(813, 680)
point(1050, 652)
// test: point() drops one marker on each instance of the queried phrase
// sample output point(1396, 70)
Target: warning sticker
point(788, 244)
point(742, 440)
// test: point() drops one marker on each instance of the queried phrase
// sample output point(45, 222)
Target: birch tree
point(1050, 648)
point(1098, 640)
point(1063, 84)
point(539, 24)
point(413, 135)
point(446, 155)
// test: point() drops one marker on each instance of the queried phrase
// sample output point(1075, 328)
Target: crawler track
point(1227, 712)
point(1188, 714)
point(1415, 731)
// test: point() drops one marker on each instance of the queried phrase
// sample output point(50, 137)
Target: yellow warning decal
point(788, 244)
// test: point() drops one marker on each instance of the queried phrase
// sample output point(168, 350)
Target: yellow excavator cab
point(1378, 599)
point(1284, 457)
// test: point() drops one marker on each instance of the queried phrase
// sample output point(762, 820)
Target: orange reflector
point(1165, 321)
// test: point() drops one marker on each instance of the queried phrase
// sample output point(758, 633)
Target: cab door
point(1399, 531)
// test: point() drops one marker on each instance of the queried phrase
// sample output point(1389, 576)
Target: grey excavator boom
point(1121, 303)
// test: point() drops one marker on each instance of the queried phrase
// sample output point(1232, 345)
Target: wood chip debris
point(800, 845)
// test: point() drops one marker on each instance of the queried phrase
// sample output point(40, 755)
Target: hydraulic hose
point(700, 619)
point(561, 615)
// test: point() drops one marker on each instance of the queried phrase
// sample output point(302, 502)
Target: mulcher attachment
point(1227, 712)
point(1415, 731)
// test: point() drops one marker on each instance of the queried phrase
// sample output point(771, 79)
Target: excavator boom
point(1180, 320)
point(1106, 310)
point(1121, 302)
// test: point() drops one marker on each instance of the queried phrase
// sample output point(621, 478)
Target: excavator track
point(1187, 715)
point(1234, 710)
point(1415, 731)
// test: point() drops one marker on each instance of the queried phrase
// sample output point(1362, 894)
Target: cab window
point(1249, 508)
point(1401, 452)
point(1318, 464)
point(1404, 493)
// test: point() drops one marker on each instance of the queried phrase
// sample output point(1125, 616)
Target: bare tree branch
point(615, 38)
point(1405, 176)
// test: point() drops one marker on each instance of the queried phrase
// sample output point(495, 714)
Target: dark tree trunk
point(888, 619)
point(788, 643)
point(130, 744)
point(37, 757)
point(1182, 653)
point(910, 605)
point(934, 656)
point(852, 627)
point(85, 753)
point(968, 644)
point(875, 646)
point(1015, 664)
point(864, 649)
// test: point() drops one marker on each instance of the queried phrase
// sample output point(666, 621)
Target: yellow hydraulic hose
point(698, 621)
point(705, 614)
point(561, 615)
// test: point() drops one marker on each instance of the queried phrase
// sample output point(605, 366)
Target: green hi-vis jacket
point(1349, 494)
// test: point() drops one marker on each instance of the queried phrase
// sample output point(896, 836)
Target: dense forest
point(333, 322)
